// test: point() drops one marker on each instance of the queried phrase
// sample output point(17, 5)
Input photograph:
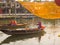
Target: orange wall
point(46, 10)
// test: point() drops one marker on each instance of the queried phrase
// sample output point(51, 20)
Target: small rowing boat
point(22, 30)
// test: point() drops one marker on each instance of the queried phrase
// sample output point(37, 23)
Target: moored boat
point(22, 30)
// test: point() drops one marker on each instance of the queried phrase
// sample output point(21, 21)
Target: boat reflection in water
point(15, 38)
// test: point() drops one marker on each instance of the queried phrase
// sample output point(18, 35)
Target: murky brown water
point(48, 38)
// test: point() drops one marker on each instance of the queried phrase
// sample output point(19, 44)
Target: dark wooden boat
point(21, 31)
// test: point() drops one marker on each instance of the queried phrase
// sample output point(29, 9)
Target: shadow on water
point(14, 38)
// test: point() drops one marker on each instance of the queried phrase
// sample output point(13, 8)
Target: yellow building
point(46, 9)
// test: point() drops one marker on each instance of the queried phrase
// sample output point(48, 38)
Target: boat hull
point(13, 32)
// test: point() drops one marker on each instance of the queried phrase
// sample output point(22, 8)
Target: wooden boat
point(21, 31)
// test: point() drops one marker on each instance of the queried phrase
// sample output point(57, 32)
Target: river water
point(50, 36)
